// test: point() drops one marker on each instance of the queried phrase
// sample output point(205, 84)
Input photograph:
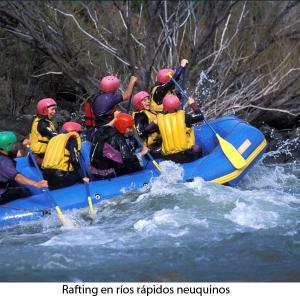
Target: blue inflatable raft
point(213, 166)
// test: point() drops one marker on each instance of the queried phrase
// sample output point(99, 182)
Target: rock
point(283, 145)
point(296, 133)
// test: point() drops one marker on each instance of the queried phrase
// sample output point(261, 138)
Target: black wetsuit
point(142, 125)
point(162, 89)
point(112, 154)
point(44, 129)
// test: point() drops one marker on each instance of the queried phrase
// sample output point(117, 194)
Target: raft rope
point(43, 211)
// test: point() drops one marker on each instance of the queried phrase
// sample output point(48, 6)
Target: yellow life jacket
point(57, 156)
point(152, 137)
point(38, 143)
point(154, 107)
point(176, 137)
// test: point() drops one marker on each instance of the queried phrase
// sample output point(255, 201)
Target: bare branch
point(242, 107)
point(47, 73)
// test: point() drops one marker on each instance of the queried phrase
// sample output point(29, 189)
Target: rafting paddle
point(87, 187)
point(236, 159)
point(90, 202)
point(61, 217)
point(148, 153)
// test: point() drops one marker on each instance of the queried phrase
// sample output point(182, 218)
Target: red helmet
point(123, 121)
point(137, 100)
point(109, 84)
point(43, 104)
point(171, 103)
point(72, 126)
point(162, 75)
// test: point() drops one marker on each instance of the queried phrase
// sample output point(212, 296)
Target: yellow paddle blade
point(91, 206)
point(231, 153)
point(62, 218)
point(156, 165)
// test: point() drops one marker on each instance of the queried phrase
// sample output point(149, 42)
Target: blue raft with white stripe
point(212, 166)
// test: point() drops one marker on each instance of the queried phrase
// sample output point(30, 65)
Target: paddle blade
point(65, 222)
point(236, 159)
point(91, 206)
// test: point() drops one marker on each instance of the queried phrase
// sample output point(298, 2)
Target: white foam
point(197, 184)
point(291, 232)
point(170, 173)
point(172, 222)
point(252, 216)
point(166, 183)
point(82, 236)
point(261, 177)
point(146, 226)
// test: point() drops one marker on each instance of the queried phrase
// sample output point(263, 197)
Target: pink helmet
point(123, 121)
point(43, 104)
point(72, 126)
point(162, 75)
point(171, 103)
point(137, 100)
point(109, 84)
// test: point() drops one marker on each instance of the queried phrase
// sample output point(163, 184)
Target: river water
point(196, 231)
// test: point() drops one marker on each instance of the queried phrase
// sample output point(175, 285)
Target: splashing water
point(203, 86)
point(285, 147)
point(194, 231)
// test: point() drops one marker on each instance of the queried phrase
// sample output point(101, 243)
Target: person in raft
point(61, 166)
point(10, 179)
point(112, 154)
point(175, 127)
point(145, 121)
point(104, 104)
point(164, 85)
point(42, 128)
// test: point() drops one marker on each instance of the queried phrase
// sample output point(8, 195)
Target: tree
point(235, 45)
